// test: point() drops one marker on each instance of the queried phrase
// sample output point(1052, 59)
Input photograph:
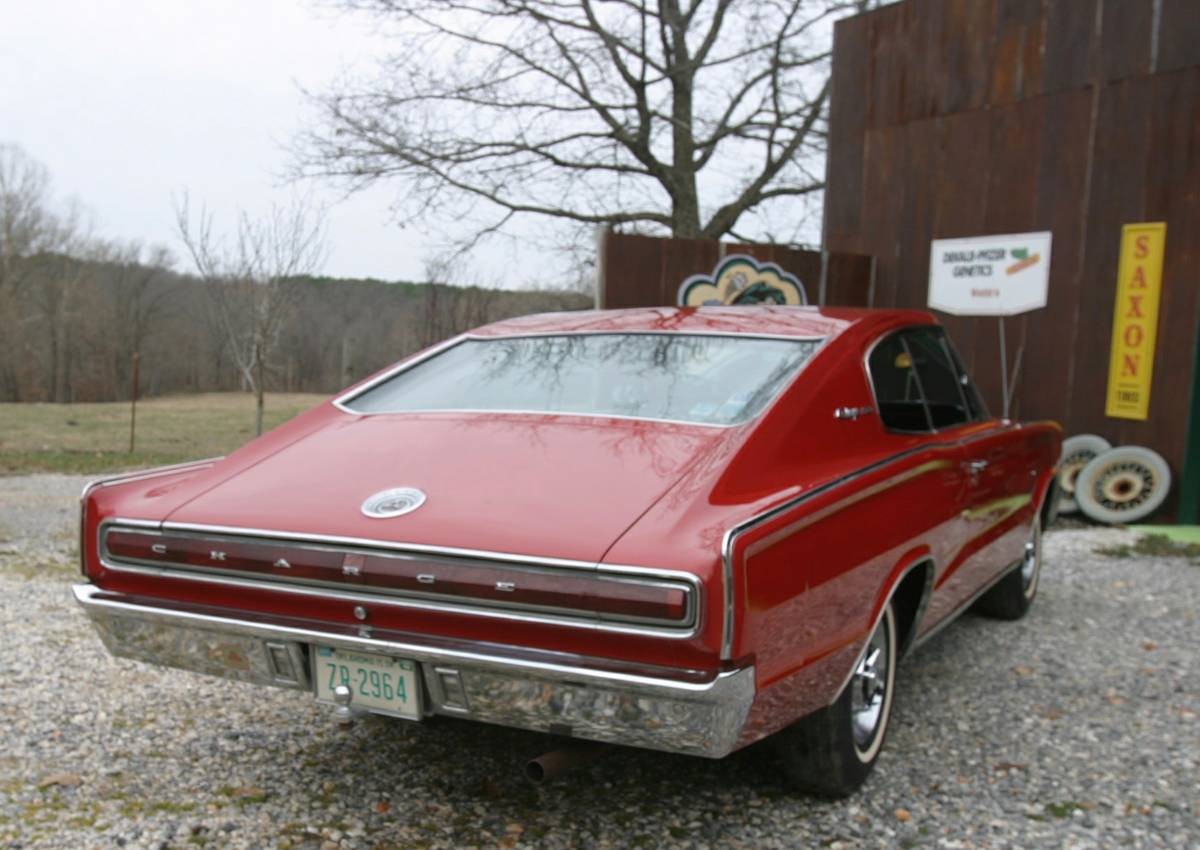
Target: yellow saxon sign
point(1135, 320)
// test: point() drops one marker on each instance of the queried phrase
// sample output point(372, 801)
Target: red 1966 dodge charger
point(682, 529)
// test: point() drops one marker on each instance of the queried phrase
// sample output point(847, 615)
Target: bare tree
point(27, 222)
point(41, 241)
point(139, 300)
point(250, 279)
point(586, 111)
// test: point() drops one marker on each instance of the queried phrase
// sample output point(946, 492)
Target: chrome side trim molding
point(301, 537)
point(138, 475)
point(610, 332)
point(407, 363)
point(965, 604)
point(565, 414)
point(730, 537)
point(125, 478)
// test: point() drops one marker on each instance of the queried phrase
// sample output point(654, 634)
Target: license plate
point(377, 683)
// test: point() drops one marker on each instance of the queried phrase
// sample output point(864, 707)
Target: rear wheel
point(1011, 597)
point(831, 752)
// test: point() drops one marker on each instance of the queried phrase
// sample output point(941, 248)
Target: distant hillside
point(68, 329)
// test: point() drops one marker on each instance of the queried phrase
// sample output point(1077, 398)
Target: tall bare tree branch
point(675, 115)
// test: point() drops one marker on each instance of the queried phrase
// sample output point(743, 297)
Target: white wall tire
point(831, 752)
point(1077, 452)
point(1123, 485)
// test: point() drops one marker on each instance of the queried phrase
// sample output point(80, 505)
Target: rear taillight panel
point(580, 593)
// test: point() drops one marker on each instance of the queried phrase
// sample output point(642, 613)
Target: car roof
point(757, 320)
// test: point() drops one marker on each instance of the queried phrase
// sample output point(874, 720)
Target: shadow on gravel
point(455, 781)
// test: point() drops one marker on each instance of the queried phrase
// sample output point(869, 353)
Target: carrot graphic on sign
point(1024, 260)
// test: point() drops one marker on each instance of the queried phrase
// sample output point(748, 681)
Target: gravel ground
point(1078, 727)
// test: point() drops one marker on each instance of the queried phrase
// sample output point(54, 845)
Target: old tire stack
point(1113, 486)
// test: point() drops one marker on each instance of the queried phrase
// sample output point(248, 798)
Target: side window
point(897, 387)
point(939, 375)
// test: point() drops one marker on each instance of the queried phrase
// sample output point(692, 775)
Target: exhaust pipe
point(551, 764)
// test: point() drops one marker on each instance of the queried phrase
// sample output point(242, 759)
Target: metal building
point(955, 118)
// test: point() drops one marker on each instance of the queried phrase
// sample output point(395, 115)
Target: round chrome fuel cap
point(395, 502)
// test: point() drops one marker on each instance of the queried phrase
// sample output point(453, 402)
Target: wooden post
point(1003, 370)
point(133, 393)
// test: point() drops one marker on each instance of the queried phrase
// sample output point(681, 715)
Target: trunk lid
point(541, 485)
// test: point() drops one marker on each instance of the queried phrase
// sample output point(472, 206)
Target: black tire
point(1011, 597)
point(831, 752)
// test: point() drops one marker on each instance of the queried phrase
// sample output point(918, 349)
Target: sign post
point(991, 276)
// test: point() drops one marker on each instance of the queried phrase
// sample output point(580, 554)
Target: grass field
point(87, 438)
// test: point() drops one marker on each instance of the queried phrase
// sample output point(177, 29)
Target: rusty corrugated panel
point(1126, 38)
point(915, 186)
point(1070, 32)
point(848, 280)
point(1016, 70)
point(1118, 173)
point(886, 65)
point(966, 40)
point(883, 199)
point(631, 270)
point(683, 258)
point(959, 200)
point(848, 111)
point(1179, 35)
point(1173, 165)
point(1062, 168)
point(646, 271)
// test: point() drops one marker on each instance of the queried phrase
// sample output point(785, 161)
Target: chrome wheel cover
point(1031, 560)
point(869, 688)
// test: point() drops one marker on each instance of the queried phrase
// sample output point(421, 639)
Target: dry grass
point(87, 438)
point(1153, 546)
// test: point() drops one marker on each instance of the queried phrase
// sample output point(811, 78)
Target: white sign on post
point(989, 275)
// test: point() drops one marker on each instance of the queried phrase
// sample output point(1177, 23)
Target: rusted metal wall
point(955, 118)
point(646, 271)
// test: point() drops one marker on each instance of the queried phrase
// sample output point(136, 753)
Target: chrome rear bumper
point(599, 702)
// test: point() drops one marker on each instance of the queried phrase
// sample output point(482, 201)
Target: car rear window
point(706, 379)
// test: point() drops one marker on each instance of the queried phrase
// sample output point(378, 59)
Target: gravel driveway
point(1078, 727)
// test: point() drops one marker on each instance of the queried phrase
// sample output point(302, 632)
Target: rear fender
point(911, 561)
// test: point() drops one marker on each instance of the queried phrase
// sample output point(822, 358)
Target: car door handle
point(852, 412)
point(975, 466)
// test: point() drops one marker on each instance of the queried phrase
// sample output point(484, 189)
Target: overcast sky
point(129, 102)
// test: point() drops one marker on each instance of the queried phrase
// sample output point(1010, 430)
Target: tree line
point(75, 309)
